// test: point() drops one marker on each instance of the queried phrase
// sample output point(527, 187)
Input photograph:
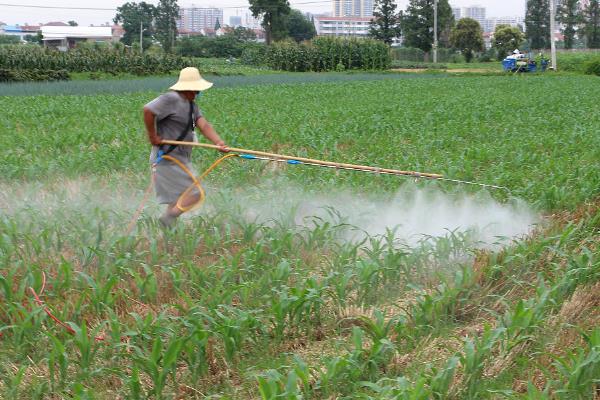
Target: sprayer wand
point(261, 155)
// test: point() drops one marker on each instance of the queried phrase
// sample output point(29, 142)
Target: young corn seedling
point(58, 364)
point(101, 296)
point(146, 283)
point(194, 350)
point(579, 371)
point(474, 357)
point(88, 348)
point(12, 382)
point(159, 363)
point(520, 324)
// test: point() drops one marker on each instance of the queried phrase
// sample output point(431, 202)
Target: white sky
point(33, 16)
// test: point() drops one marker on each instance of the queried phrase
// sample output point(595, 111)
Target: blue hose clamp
point(159, 156)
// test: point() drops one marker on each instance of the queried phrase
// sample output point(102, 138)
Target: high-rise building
point(352, 8)
point(195, 19)
point(490, 24)
point(342, 26)
point(475, 12)
point(250, 22)
point(235, 21)
point(456, 11)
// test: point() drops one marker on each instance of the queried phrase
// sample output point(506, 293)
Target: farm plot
point(275, 289)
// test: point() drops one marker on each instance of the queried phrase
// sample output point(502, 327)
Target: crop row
point(154, 315)
point(518, 132)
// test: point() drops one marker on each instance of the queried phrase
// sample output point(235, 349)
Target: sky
point(34, 16)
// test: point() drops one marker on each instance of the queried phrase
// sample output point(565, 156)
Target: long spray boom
point(261, 155)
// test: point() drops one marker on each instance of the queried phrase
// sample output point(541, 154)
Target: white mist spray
point(414, 213)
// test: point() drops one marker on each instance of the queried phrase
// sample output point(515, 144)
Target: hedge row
point(592, 67)
point(101, 59)
point(24, 75)
point(321, 54)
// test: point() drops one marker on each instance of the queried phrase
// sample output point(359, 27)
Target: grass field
point(276, 288)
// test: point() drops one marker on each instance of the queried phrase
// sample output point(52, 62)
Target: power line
point(114, 9)
point(57, 7)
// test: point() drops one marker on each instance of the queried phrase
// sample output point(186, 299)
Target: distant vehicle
point(522, 62)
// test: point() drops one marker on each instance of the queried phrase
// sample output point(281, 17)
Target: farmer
point(174, 116)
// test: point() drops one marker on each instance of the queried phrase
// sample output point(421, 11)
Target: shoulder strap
point(184, 133)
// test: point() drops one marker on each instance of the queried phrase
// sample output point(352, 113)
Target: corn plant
point(159, 363)
point(474, 357)
point(579, 371)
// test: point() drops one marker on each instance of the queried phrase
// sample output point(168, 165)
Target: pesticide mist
point(413, 213)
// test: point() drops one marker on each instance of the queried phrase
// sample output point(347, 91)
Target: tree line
point(414, 25)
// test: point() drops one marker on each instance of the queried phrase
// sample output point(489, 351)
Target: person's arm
point(211, 134)
point(151, 128)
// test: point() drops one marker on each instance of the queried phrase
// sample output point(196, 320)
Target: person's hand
point(155, 140)
point(223, 147)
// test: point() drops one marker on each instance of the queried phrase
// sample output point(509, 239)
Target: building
point(353, 8)
point(457, 12)
point(491, 23)
point(475, 12)
point(194, 19)
point(342, 26)
point(21, 31)
point(235, 21)
point(67, 37)
point(250, 22)
point(117, 32)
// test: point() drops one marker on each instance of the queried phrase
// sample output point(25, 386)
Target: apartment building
point(353, 8)
point(195, 19)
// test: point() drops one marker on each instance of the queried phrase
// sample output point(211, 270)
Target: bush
point(408, 54)
point(212, 47)
point(322, 54)
point(8, 39)
point(488, 56)
point(11, 75)
point(592, 67)
point(254, 54)
point(417, 65)
point(575, 61)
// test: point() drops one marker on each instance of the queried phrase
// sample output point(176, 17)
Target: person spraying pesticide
point(175, 116)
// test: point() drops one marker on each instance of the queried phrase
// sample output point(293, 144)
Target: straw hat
point(190, 79)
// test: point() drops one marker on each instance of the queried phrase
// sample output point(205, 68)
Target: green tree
point(506, 39)
point(467, 36)
point(299, 27)
point(417, 24)
point(537, 23)
point(591, 24)
point(217, 25)
point(385, 25)
point(273, 14)
point(241, 33)
point(72, 23)
point(132, 15)
point(568, 15)
point(9, 39)
point(167, 13)
point(37, 38)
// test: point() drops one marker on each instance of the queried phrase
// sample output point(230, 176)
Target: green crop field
point(298, 282)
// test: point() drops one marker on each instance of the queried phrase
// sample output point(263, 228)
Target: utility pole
point(141, 43)
point(552, 28)
point(435, 36)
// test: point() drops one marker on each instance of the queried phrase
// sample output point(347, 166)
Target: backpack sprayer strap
point(182, 135)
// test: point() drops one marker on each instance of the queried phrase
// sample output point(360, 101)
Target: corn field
point(322, 54)
point(109, 60)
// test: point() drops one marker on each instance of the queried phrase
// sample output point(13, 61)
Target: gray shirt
point(172, 113)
